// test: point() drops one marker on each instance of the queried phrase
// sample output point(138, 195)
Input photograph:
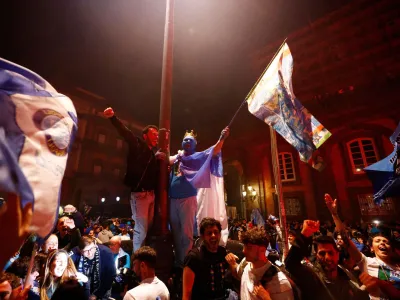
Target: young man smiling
point(205, 268)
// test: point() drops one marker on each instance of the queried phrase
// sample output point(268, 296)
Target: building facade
point(347, 74)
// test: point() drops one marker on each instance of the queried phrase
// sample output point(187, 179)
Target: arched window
point(286, 167)
point(362, 153)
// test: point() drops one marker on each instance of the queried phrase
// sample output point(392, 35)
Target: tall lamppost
point(160, 237)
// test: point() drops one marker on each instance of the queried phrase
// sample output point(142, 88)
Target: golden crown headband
point(191, 133)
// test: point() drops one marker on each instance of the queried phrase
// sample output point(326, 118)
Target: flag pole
point(278, 189)
point(258, 80)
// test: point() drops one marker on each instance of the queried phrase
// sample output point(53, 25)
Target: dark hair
point(292, 232)
point(381, 234)
point(20, 266)
point(146, 254)
point(207, 222)
point(324, 239)
point(255, 236)
point(85, 240)
point(70, 289)
point(12, 279)
point(146, 129)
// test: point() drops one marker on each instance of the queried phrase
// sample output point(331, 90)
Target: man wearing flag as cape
point(196, 190)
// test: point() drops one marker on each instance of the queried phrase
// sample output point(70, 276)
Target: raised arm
point(220, 143)
point(121, 128)
point(351, 248)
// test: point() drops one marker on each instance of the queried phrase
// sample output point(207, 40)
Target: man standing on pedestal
point(141, 174)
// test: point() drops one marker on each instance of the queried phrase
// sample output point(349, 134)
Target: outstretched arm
point(121, 128)
point(220, 143)
point(351, 248)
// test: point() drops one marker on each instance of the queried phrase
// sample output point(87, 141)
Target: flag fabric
point(272, 100)
point(385, 174)
point(257, 218)
point(38, 125)
point(205, 172)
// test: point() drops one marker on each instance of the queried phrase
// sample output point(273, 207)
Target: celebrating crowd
point(108, 259)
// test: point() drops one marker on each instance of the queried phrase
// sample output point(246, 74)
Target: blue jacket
point(107, 268)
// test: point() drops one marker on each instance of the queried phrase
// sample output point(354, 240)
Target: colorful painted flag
point(38, 127)
point(272, 100)
point(205, 172)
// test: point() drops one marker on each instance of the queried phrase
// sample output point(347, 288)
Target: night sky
point(114, 49)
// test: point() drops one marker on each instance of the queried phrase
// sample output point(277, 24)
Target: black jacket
point(310, 280)
point(141, 169)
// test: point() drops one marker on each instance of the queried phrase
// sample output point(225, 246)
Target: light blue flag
point(205, 172)
point(37, 126)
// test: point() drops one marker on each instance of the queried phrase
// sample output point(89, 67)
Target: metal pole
point(160, 237)
point(278, 188)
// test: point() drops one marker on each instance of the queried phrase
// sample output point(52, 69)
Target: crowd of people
point(332, 260)
point(86, 258)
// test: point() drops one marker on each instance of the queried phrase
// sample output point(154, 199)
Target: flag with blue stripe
point(37, 126)
point(205, 172)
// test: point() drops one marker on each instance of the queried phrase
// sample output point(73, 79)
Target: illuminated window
point(286, 167)
point(120, 143)
point(369, 208)
point(293, 207)
point(362, 153)
point(101, 138)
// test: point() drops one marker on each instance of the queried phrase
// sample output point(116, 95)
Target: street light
point(117, 199)
point(250, 188)
point(103, 199)
point(244, 193)
point(254, 193)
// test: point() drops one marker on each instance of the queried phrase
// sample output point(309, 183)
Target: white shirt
point(378, 269)
point(279, 287)
point(149, 289)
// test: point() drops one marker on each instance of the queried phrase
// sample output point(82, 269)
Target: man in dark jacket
point(141, 174)
point(325, 279)
point(97, 263)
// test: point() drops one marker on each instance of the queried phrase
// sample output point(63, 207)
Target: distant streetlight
point(244, 193)
point(254, 193)
point(103, 199)
point(117, 198)
point(250, 188)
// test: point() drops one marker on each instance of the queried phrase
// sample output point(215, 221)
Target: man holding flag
point(196, 185)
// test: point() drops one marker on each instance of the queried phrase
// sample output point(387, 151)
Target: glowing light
point(117, 198)
point(254, 193)
point(103, 199)
point(376, 222)
point(250, 188)
point(244, 193)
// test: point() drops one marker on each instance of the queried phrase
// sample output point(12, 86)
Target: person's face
point(291, 239)
point(339, 241)
point(137, 264)
point(328, 257)
point(189, 145)
point(91, 233)
point(396, 234)
point(211, 238)
point(381, 247)
point(89, 251)
point(5, 290)
point(151, 137)
point(360, 240)
point(252, 252)
point(59, 265)
point(51, 244)
point(114, 246)
point(62, 225)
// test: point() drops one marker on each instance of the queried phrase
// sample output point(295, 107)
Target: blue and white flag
point(205, 172)
point(272, 100)
point(38, 125)
point(257, 218)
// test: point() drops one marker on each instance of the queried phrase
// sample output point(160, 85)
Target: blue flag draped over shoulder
point(205, 172)
point(37, 126)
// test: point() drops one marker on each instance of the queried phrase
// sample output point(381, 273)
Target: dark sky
point(114, 49)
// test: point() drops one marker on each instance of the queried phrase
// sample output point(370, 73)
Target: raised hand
point(261, 293)
point(108, 112)
point(231, 259)
point(224, 133)
point(310, 227)
point(331, 204)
